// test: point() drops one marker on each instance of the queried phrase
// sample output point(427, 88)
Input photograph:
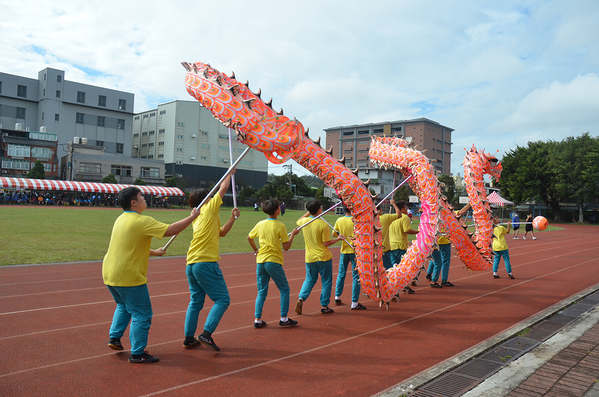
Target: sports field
point(40, 234)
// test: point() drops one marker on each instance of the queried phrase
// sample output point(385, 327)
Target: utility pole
point(290, 166)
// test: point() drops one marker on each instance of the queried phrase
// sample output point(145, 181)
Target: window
point(56, 117)
point(150, 156)
point(120, 124)
point(348, 143)
point(90, 168)
point(20, 113)
point(150, 172)
point(151, 132)
point(57, 93)
point(99, 143)
point(178, 162)
point(146, 116)
point(80, 97)
point(152, 114)
point(179, 124)
point(144, 145)
point(180, 136)
point(22, 91)
point(101, 121)
point(160, 143)
point(223, 148)
point(48, 167)
point(223, 136)
point(161, 131)
point(362, 151)
point(363, 132)
point(203, 157)
point(161, 156)
point(136, 135)
point(59, 79)
point(102, 100)
point(378, 131)
point(120, 147)
point(15, 164)
point(151, 144)
point(19, 150)
point(350, 151)
point(79, 118)
point(43, 116)
point(120, 170)
point(144, 133)
point(347, 133)
point(43, 136)
point(396, 129)
point(136, 118)
point(204, 133)
point(42, 152)
point(179, 149)
point(206, 145)
point(162, 112)
point(122, 104)
point(44, 92)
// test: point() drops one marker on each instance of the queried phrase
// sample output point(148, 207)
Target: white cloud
point(498, 73)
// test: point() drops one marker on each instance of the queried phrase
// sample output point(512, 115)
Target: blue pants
point(396, 256)
point(506, 259)
point(387, 260)
point(440, 263)
point(205, 278)
point(325, 269)
point(264, 271)
point(132, 304)
point(344, 261)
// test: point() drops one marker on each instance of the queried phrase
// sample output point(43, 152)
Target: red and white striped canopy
point(494, 198)
point(90, 187)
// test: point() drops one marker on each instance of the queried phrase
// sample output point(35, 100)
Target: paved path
point(54, 322)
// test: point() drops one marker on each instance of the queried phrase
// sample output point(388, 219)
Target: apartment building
point(19, 150)
point(194, 145)
point(353, 143)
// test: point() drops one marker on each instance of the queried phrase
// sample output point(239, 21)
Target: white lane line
point(514, 285)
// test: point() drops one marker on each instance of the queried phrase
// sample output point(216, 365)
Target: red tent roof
point(495, 198)
point(91, 187)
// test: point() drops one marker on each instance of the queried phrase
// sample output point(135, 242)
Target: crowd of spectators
point(56, 198)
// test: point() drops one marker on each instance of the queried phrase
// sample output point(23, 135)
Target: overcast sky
point(501, 73)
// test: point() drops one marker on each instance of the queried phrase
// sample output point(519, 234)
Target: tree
point(312, 181)
point(403, 194)
point(110, 178)
point(37, 172)
point(244, 193)
point(139, 181)
point(529, 173)
point(577, 168)
point(448, 190)
point(170, 182)
point(322, 198)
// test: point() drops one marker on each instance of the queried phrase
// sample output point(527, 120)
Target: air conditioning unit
point(135, 146)
point(194, 136)
point(193, 157)
point(4, 171)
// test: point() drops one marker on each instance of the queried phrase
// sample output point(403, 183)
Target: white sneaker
point(524, 237)
point(534, 238)
point(514, 237)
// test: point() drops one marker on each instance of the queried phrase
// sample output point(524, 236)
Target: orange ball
point(540, 223)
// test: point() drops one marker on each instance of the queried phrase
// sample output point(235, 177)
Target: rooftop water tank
point(76, 140)
point(19, 127)
point(43, 128)
point(84, 141)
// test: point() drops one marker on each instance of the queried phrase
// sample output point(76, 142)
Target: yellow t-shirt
point(206, 233)
point(499, 243)
point(397, 233)
point(386, 220)
point(345, 226)
point(126, 262)
point(271, 234)
point(314, 235)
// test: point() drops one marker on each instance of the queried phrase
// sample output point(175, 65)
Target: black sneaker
point(359, 307)
point(428, 276)
point(190, 341)
point(288, 323)
point(447, 284)
point(115, 344)
point(511, 276)
point(144, 358)
point(408, 290)
point(337, 301)
point(261, 324)
point(326, 310)
point(208, 342)
point(496, 276)
point(435, 285)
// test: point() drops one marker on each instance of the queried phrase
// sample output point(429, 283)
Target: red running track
point(55, 319)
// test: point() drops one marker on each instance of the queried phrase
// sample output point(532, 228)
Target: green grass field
point(38, 234)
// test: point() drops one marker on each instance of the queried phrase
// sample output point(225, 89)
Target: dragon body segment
point(280, 139)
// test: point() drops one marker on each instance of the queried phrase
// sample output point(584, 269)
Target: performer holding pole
point(319, 216)
point(214, 189)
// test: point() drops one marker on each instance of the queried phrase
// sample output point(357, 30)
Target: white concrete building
point(193, 145)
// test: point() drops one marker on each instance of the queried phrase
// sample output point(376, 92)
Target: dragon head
point(255, 122)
